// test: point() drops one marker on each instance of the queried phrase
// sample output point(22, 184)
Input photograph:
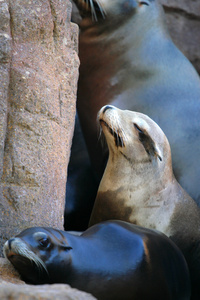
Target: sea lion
point(138, 184)
point(128, 59)
point(112, 260)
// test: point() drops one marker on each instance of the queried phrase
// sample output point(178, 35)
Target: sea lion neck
point(136, 176)
point(141, 45)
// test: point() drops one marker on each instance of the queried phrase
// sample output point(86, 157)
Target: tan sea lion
point(112, 260)
point(128, 59)
point(138, 184)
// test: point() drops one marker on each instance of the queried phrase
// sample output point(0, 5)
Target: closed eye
point(144, 3)
point(138, 128)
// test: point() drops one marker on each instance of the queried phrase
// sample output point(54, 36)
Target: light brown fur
point(139, 186)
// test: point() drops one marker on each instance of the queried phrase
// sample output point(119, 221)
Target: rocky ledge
point(13, 288)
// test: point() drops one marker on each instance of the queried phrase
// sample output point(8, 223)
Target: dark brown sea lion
point(113, 260)
point(138, 184)
point(128, 59)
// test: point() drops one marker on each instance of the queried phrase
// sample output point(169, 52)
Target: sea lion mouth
point(90, 6)
point(119, 141)
point(18, 260)
point(12, 255)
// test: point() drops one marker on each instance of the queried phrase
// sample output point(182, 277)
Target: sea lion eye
point(44, 242)
point(42, 239)
point(144, 3)
point(138, 128)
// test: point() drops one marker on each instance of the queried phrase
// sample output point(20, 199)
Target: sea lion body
point(111, 260)
point(138, 184)
point(128, 59)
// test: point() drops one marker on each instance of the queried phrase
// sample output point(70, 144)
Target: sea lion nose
point(10, 242)
point(107, 107)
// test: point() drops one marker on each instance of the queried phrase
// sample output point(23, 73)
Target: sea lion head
point(115, 10)
point(124, 7)
point(39, 254)
point(135, 138)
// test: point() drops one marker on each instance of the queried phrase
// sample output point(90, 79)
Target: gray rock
point(38, 83)
point(8, 273)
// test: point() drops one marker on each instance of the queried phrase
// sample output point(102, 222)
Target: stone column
point(38, 82)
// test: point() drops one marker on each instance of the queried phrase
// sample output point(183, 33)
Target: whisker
point(93, 11)
point(23, 250)
point(100, 134)
point(123, 136)
point(102, 10)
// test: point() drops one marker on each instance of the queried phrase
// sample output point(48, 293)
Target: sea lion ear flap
point(149, 145)
point(151, 148)
point(157, 153)
point(143, 3)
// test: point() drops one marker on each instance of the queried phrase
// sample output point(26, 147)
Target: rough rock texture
point(38, 82)
point(10, 291)
point(12, 288)
point(183, 19)
point(8, 273)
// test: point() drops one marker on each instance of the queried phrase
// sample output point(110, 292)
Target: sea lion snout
point(8, 247)
point(9, 243)
point(127, 128)
point(106, 107)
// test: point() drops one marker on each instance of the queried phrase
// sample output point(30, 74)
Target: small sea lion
point(139, 186)
point(113, 260)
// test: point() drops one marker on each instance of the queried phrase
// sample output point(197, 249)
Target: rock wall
point(38, 82)
point(183, 19)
